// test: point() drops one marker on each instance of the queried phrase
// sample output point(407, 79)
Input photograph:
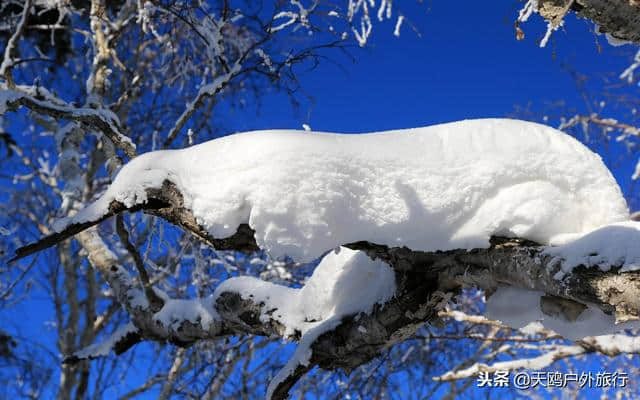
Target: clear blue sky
point(465, 64)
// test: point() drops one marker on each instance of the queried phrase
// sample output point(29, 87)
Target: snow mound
point(436, 188)
point(328, 293)
point(345, 282)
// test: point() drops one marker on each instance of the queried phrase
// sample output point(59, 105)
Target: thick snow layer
point(344, 283)
point(435, 188)
point(518, 308)
point(614, 245)
point(329, 292)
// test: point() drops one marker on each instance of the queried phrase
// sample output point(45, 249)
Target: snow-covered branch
point(205, 92)
point(41, 101)
point(611, 345)
point(11, 50)
point(534, 363)
point(521, 211)
point(334, 332)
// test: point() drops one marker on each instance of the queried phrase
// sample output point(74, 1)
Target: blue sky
point(462, 65)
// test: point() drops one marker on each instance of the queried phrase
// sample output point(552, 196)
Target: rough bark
point(165, 202)
point(618, 18)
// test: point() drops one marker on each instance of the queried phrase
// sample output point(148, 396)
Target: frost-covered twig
point(41, 101)
point(611, 123)
point(535, 363)
point(178, 359)
point(628, 73)
point(610, 345)
point(205, 92)
point(10, 51)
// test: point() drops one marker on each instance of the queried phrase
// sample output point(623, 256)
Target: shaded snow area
point(436, 188)
point(613, 245)
point(346, 282)
point(176, 311)
point(518, 308)
point(104, 348)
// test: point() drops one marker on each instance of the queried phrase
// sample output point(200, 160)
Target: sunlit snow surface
point(435, 188)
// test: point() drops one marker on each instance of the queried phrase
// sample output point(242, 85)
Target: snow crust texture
point(435, 188)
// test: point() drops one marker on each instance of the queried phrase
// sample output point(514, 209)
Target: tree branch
point(10, 52)
point(165, 202)
point(154, 301)
point(43, 102)
point(618, 18)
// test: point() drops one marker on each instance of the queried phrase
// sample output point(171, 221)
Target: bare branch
point(155, 302)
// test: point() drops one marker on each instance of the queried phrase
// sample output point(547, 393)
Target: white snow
point(613, 245)
point(615, 343)
point(436, 188)
point(527, 10)
point(518, 308)
point(104, 348)
point(329, 292)
point(176, 311)
point(396, 30)
point(344, 283)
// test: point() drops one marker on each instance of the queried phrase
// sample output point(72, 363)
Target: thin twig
point(155, 302)
point(12, 47)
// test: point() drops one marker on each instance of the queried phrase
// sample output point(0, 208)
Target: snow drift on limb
point(436, 188)
point(345, 282)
